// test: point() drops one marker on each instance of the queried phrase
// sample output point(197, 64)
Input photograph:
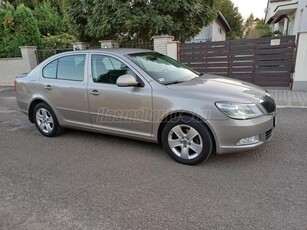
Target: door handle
point(48, 87)
point(94, 92)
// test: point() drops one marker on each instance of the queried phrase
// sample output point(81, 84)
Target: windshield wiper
point(174, 82)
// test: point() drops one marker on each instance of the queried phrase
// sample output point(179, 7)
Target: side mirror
point(127, 80)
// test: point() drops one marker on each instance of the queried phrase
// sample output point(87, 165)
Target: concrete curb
point(7, 88)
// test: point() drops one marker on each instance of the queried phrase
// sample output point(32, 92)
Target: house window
point(220, 30)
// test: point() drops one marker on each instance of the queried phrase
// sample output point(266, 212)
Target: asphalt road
point(85, 180)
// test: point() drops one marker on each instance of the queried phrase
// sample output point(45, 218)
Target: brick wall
point(160, 43)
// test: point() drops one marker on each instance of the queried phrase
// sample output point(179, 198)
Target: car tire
point(46, 121)
point(187, 140)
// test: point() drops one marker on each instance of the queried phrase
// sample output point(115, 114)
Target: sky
point(246, 7)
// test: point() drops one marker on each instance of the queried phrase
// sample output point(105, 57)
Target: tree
point(140, 19)
point(27, 3)
point(2, 31)
point(8, 42)
point(19, 29)
point(59, 5)
point(78, 12)
point(49, 21)
point(233, 17)
point(249, 21)
point(248, 25)
point(26, 32)
point(264, 29)
point(62, 40)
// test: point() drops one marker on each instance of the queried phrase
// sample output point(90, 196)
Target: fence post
point(166, 45)
point(300, 76)
point(230, 60)
point(172, 49)
point(80, 45)
point(109, 44)
point(28, 54)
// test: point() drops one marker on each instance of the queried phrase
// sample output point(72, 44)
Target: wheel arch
point(184, 113)
point(33, 103)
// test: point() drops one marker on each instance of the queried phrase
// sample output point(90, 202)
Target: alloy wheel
point(44, 120)
point(185, 142)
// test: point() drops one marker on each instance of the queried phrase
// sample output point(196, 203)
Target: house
point(287, 16)
point(216, 31)
point(290, 18)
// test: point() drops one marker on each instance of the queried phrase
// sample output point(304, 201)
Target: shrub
point(27, 32)
point(62, 40)
point(18, 28)
point(49, 21)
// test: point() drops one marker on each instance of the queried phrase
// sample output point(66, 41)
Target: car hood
point(221, 88)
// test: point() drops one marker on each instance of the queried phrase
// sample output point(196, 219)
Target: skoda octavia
point(145, 95)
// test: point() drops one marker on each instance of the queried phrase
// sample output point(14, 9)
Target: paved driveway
point(91, 181)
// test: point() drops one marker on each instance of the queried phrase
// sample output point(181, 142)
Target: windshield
point(163, 69)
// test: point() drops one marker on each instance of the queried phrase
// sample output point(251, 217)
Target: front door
point(122, 110)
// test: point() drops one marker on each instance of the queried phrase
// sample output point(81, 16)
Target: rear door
point(64, 85)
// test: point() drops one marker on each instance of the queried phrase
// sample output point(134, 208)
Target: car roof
point(118, 51)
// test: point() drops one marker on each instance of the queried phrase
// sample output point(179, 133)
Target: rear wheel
point(187, 140)
point(45, 120)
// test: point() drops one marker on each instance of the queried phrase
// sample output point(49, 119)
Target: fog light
point(249, 140)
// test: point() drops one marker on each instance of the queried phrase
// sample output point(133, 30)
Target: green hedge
point(43, 27)
point(18, 28)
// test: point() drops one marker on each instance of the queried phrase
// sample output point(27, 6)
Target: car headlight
point(239, 111)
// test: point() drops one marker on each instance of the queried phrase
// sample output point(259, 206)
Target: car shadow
point(156, 150)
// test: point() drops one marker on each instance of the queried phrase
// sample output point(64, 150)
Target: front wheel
point(45, 120)
point(187, 140)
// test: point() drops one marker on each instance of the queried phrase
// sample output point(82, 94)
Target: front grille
point(269, 104)
point(268, 134)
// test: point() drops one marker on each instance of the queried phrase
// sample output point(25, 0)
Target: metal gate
point(265, 61)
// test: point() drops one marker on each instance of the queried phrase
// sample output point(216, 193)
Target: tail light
point(15, 85)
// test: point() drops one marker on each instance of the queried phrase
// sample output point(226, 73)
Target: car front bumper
point(229, 132)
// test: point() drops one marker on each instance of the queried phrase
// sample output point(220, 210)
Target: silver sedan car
point(145, 95)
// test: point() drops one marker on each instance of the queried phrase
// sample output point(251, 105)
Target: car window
point(50, 70)
point(71, 68)
point(107, 69)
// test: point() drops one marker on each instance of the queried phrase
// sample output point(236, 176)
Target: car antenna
point(75, 43)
